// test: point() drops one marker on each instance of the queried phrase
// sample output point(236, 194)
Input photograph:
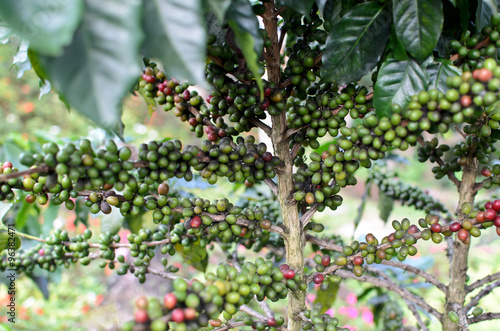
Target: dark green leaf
point(246, 30)
point(176, 35)
point(100, 66)
point(418, 24)
point(397, 48)
point(397, 82)
point(48, 25)
point(328, 297)
point(485, 9)
point(330, 10)
point(439, 72)
point(385, 205)
point(300, 6)
point(356, 43)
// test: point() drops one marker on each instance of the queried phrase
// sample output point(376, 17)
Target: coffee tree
point(366, 78)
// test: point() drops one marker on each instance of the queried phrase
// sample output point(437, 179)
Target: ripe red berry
point(192, 121)
point(412, 229)
point(267, 91)
point(222, 133)
point(325, 260)
point(177, 315)
point(264, 104)
point(7, 164)
point(150, 79)
point(141, 316)
point(189, 314)
point(289, 273)
point(267, 156)
point(496, 205)
point(186, 95)
point(465, 100)
point(272, 322)
point(486, 172)
point(170, 300)
point(212, 136)
point(498, 231)
point(480, 217)
point(216, 323)
point(391, 237)
point(488, 205)
point(496, 221)
point(455, 226)
point(490, 214)
point(318, 279)
point(358, 260)
point(209, 98)
point(196, 222)
point(483, 75)
point(463, 235)
point(284, 267)
point(436, 227)
point(167, 91)
point(41, 252)
point(229, 100)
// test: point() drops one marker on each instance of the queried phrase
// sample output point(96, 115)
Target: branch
point(328, 244)
point(484, 292)
point(309, 214)
point(272, 185)
point(162, 274)
point(261, 125)
point(428, 277)
point(413, 309)
point(482, 281)
point(40, 169)
point(393, 287)
point(253, 313)
point(483, 317)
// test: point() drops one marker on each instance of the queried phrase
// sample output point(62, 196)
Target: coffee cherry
point(325, 260)
point(289, 273)
point(267, 156)
point(496, 205)
point(170, 301)
point(490, 214)
point(496, 221)
point(436, 227)
point(216, 323)
point(272, 322)
point(177, 315)
point(358, 260)
point(163, 189)
point(480, 217)
point(141, 303)
point(141, 316)
point(318, 279)
point(196, 222)
point(463, 235)
point(455, 226)
point(189, 314)
point(284, 267)
point(486, 172)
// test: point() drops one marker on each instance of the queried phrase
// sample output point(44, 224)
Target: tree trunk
point(455, 296)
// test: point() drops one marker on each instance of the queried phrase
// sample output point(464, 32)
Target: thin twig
point(261, 125)
point(483, 317)
point(484, 292)
point(163, 274)
point(413, 309)
point(265, 307)
point(450, 174)
point(272, 185)
point(253, 313)
point(394, 287)
point(309, 214)
point(482, 281)
point(406, 267)
point(327, 244)
point(40, 169)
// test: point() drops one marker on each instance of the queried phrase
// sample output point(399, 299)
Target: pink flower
point(310, 297)
point(352, 299)
point(367, 316)
point(330, 312)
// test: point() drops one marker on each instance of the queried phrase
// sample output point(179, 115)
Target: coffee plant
point(334, 85)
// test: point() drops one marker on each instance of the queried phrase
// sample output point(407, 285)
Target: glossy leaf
point(100, 66)
point(246, 30)
point(485, 9)
point(418, 24)
point(176, 35)
point(48, 25)
point(328, 297)
point(356, 43)
point(397, 81)
point(439, 72)
point(300, 6)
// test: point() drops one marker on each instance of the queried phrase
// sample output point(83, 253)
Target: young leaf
point(100, 66)
point(176, 35)
point(47, 25)
point(418, 24)
point(356, 43)
point(397, 80)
